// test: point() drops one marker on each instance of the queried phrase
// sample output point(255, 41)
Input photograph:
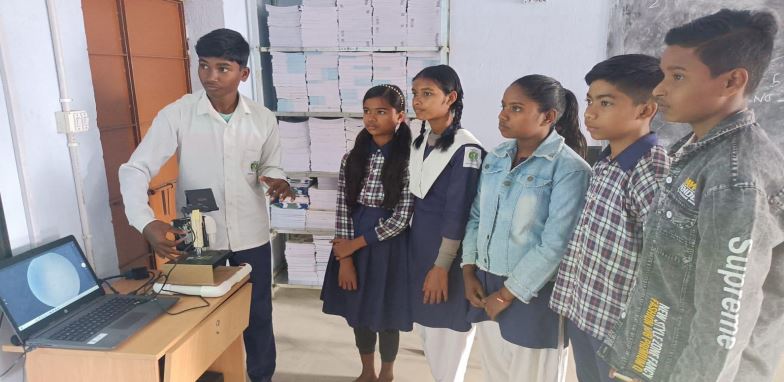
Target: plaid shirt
point(372, 195)
point(598, 271)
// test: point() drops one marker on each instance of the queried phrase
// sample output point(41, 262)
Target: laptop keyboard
point(90, 324)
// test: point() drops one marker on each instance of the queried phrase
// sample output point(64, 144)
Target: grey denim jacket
point(708, 302)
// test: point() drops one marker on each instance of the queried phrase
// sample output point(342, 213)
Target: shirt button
point(623, 315)
point(605, 172)
point(668, 180)
point(530, 179)
point(668, 214)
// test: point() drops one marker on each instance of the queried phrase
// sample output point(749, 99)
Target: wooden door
point(139, 62)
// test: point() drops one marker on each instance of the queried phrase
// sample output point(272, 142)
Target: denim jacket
point(522, 218)
point(708, 304)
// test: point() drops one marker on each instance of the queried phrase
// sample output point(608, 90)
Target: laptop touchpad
point(127, 321)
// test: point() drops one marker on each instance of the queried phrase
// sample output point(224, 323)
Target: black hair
point(394, 166)
point(730, 39)
point(550, 95)
point(636, 75)
point(448, 81)
point(224, 43)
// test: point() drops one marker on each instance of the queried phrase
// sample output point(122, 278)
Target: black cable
point(206, 305)
point(151, 281)
point(105, 281)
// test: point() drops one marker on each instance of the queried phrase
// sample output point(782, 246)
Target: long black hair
point(551, 95)
point(448, 81)
point(394, 166)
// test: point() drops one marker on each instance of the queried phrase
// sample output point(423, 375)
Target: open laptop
point(53, 299)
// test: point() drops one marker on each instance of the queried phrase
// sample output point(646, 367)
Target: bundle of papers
point(322, 81)
point(323, 251)
point(320, 220)
point(390, 68)
point(290, 217)
point(328, 183)
point(424, 23)
point(355, 23)
point(323, 199)
point(416, 62)
point(389, 23)
point(356, 76)
point(284, 26)
point(319, 21)
point(288, 77)
point(301, 260)
point(295, 145)
point(353, 127)
point(327, 144)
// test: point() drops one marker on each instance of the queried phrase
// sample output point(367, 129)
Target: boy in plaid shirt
point(598, 271)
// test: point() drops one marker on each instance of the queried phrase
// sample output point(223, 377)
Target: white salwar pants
point(503, 361)
point(446, 351)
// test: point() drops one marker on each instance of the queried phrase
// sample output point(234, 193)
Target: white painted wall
point(204, 16)
point(10, 187)
point(14, 214)
point(31, 96)
point(494, 42)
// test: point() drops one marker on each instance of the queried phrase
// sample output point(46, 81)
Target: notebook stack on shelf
point(327, 142)
point(284, 26)
point(323, 198)
point(322, 81)
point(295, 146)
point(423, 23)
point(319, 19)
point(320, 220)
point(292, 215)
point(288, 76)
point(389, 23)
point(356, 77)
point(390, 68)
point(323, 246)
point(288, 217)
point(301, 260)
point(355, 23)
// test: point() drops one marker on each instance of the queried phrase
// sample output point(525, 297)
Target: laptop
point(52, 298)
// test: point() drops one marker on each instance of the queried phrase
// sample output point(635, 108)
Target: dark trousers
point(589, 366)
point(388, 343)
point(259, 338)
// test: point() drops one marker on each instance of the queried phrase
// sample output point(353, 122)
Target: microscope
point(200, 229)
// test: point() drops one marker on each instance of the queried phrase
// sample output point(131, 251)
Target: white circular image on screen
point(53, 279)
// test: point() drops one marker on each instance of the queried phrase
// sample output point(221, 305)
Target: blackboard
point(639, 26)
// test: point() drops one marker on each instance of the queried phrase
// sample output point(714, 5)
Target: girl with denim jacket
point(531, 191)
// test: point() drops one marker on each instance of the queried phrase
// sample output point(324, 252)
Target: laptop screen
point(44, 281)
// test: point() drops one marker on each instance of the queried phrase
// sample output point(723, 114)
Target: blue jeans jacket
point(522, 218)
point(708, 304)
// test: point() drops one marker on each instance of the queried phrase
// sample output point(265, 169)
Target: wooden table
point(176, 348)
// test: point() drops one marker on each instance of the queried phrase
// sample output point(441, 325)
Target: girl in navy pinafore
point(444, 166)
point(366, 281)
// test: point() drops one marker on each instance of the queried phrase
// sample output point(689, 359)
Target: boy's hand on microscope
point(278, 188)
point(157, 234)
